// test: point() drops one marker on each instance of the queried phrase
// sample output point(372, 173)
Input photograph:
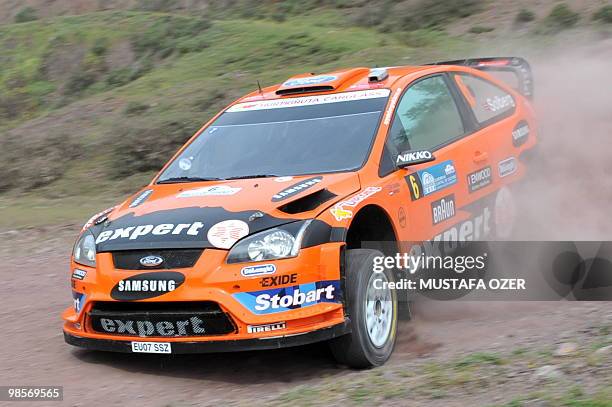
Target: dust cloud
point(569, 192)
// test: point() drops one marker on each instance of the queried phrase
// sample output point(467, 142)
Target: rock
point(566, 348)
point(548, 372)
point(605, 351)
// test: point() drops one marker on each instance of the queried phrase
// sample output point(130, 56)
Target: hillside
point(96, 95)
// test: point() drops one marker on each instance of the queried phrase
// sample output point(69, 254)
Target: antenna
point(259, 87)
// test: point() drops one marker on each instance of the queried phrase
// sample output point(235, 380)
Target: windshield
point(297, 136)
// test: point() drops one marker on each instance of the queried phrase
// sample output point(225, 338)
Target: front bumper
point(233, 295)
point(112, 345)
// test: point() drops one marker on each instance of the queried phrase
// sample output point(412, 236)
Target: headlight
point(85, 250)
point(276, 243)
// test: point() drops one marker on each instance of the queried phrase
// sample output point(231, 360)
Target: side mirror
point(408, 158)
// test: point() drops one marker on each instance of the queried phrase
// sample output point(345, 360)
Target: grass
point(480, 358)
point(471, 375)
point(574, 397)
point(480, 29)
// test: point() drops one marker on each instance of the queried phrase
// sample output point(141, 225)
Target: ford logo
point(151, 261)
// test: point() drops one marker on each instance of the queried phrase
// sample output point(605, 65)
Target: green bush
point(119, 77)
point(79, 81)
point(26, 14)
point(371, 16)
point(562, 17)
point(134, 108)
point(100, 47)
point(604, 14)
point(192, 45)
point(163, 6)
point(169, 34)
point(479, 29)
point(435, 13)
point(524, 16)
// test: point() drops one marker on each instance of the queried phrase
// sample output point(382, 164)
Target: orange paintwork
point(212, 279)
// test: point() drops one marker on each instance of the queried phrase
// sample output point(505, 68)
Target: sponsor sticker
point(97, 218)
point(391, 107)
point(479, 179)
point(414, 157)
point(473, 229)
point(296, 189)
point(497, 103)
point(216, 190)
point(177, 326)
point(309, 80)
point(185, 163)
point(78, 300)
point(260, 270)
point(288, 298)
point(520, 134)
point(432, 179)
point(309, 100)
point(393, 189)
point(507, 167)
point(274, 281)
point(401, 217)
point(256, 329)
point(136, 232)
point(147, 285)
point(443, 209)
point(78, 274)
point(141, 198)
point(283, 179)
point(340, 212)
point(224, 234)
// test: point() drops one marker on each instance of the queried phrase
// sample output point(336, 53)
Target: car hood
point(216, 214)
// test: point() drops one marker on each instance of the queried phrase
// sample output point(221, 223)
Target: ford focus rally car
point(258, 234)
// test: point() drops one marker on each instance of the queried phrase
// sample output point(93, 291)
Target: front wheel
point(372, 310)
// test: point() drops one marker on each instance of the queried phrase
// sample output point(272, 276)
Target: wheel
point(372, 312)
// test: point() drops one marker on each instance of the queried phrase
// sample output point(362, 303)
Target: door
point(431, 115)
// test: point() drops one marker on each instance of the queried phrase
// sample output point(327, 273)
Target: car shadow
point(254, 367)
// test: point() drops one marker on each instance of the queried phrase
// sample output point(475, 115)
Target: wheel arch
point(372, 228)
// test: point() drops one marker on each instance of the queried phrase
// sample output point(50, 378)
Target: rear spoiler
point(516, 65)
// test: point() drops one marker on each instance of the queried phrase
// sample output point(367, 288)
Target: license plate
point(151, 347)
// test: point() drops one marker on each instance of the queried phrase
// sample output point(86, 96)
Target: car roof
point(334, 82)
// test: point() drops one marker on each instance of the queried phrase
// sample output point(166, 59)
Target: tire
point(370, 342)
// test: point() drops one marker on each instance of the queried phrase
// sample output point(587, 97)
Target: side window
point(488, 101)
point(426, 117)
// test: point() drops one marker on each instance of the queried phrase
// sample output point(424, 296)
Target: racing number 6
point(416, 193)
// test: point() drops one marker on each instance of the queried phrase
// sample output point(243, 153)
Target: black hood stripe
point(180, 228)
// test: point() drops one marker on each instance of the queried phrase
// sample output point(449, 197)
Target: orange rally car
point(254, 235)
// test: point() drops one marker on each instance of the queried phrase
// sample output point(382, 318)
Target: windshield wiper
point(178, 180)
point(253, 176)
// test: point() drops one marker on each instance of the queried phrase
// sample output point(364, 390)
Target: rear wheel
point(372, 310)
